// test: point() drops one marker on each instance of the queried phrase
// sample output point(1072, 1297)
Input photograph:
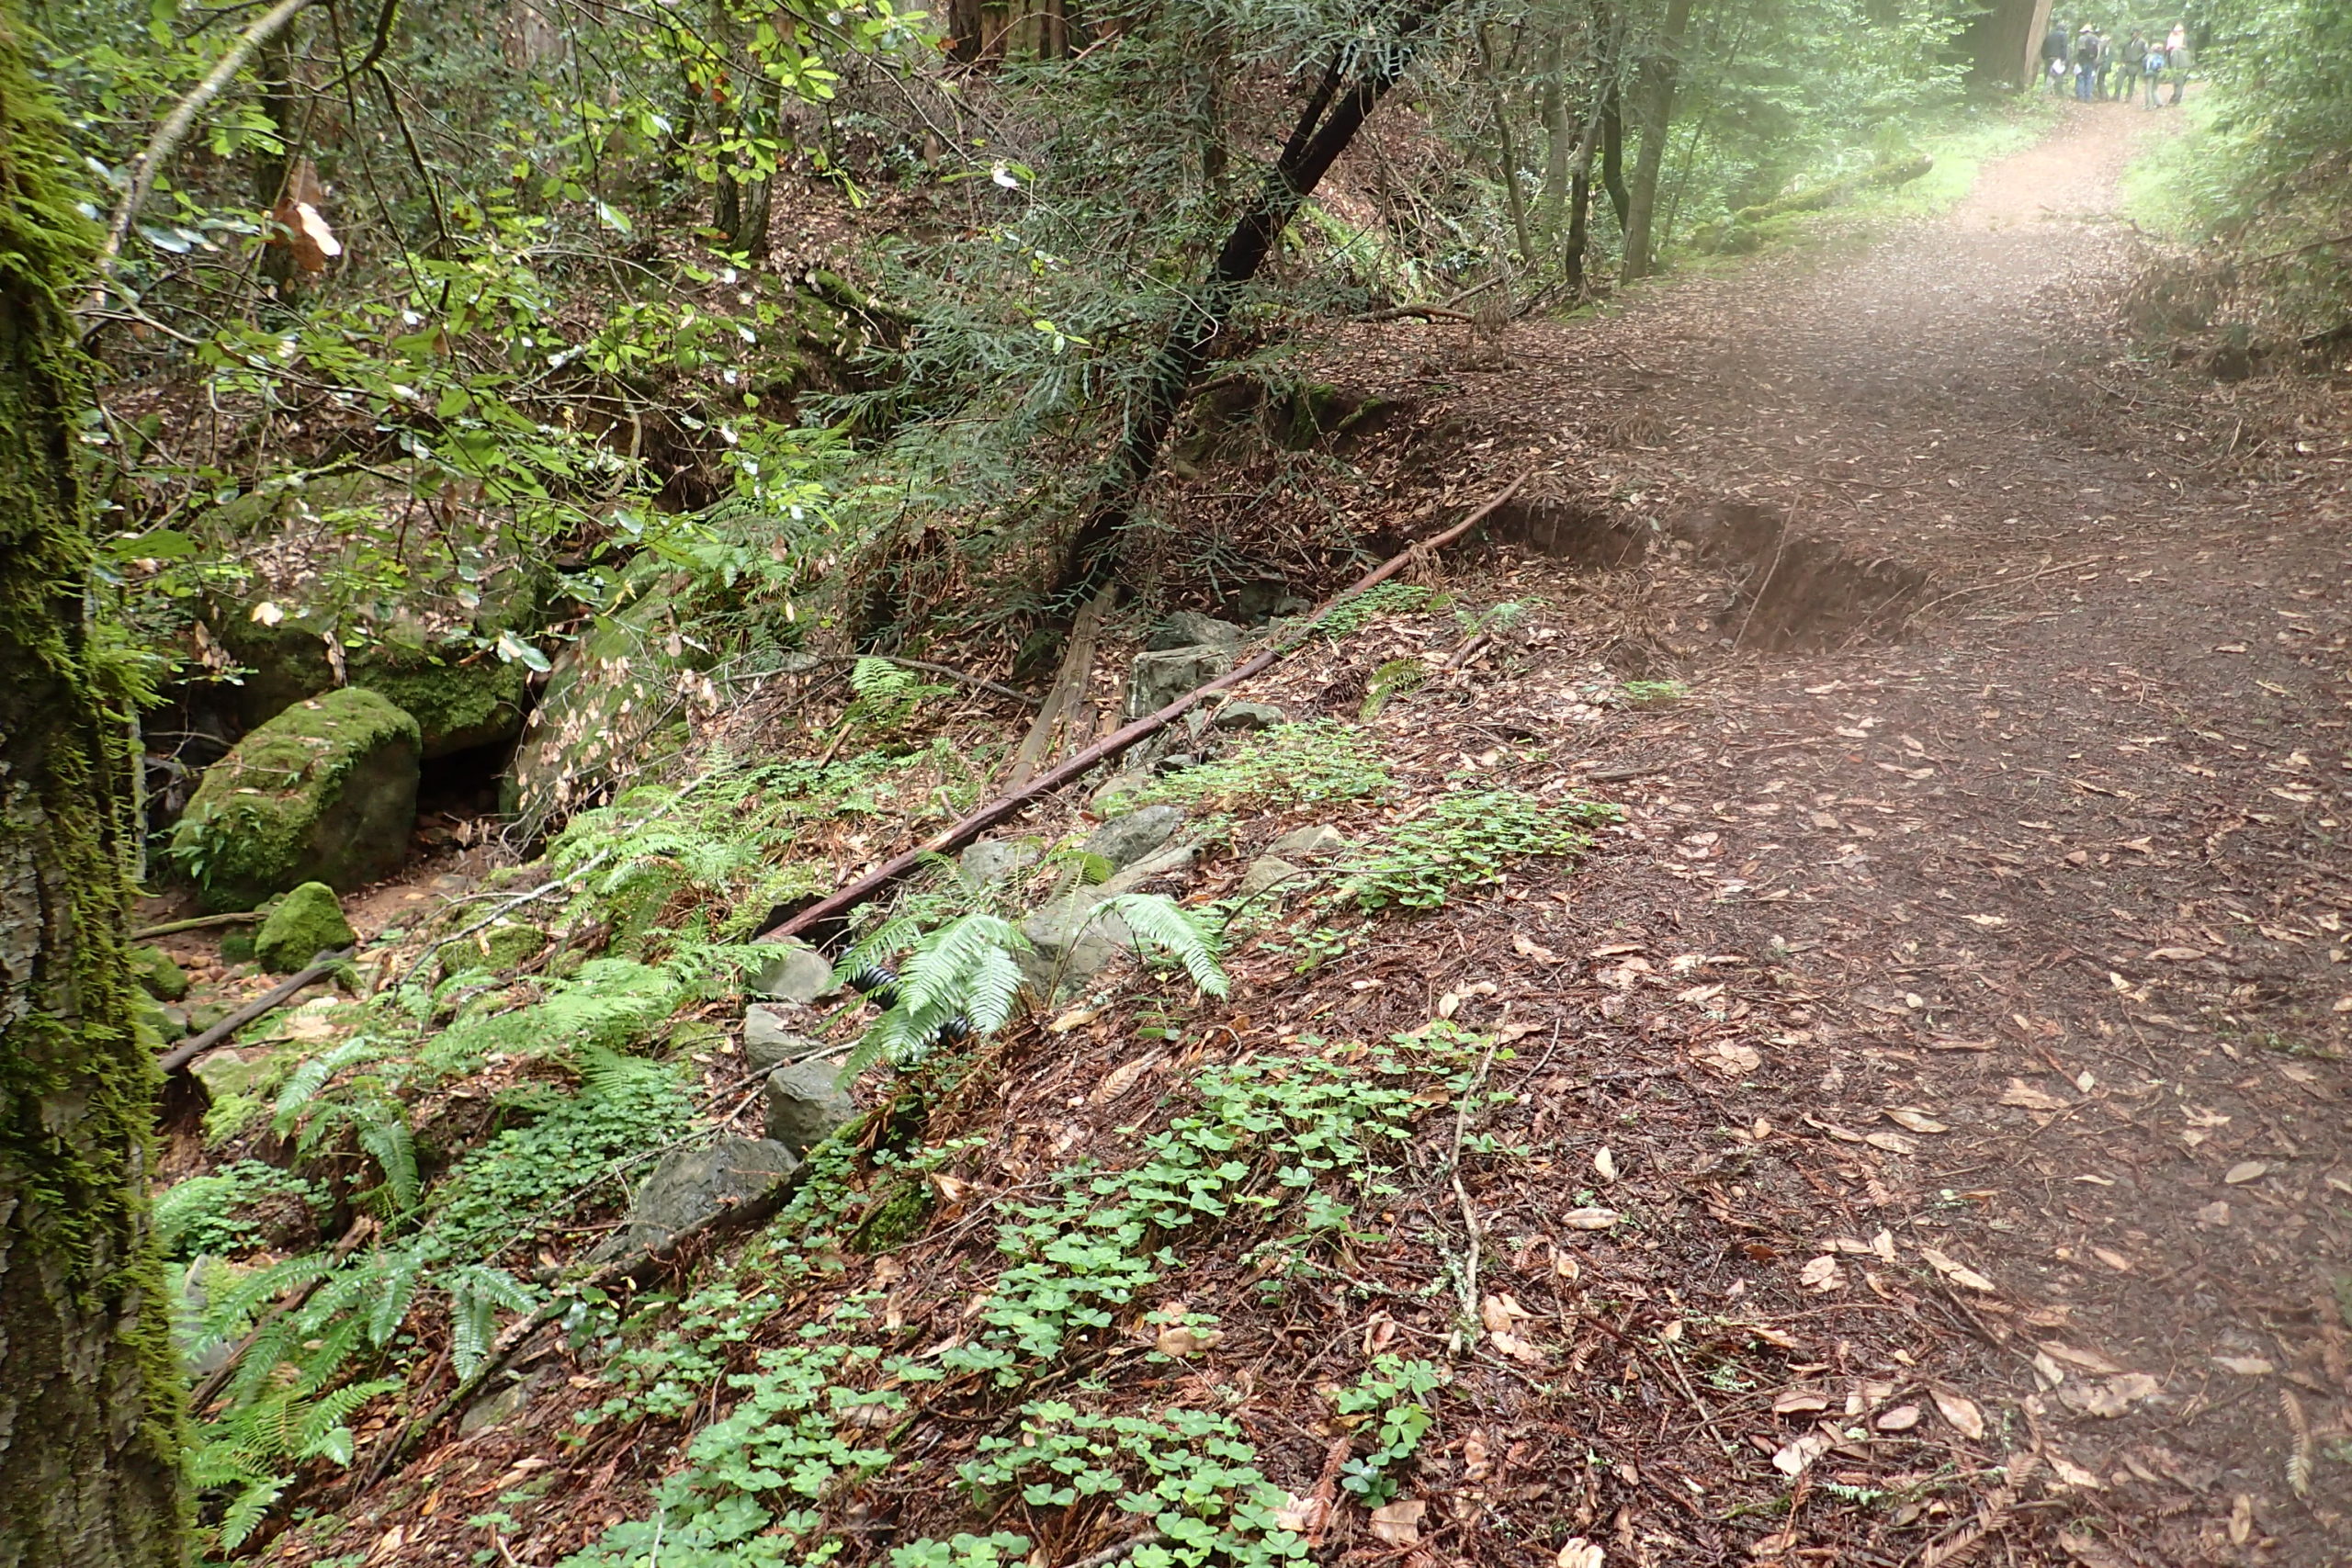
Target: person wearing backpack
point(2086, 62)
point(2152, 71)
point(2053, 55)
point(2179, 61)
point(2106, 65)
point(2127, 65)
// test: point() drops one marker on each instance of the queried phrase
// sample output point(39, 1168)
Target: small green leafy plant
point(1305, 764)
point(1466, 841)
point(1350, 614)
point(1385, 1405)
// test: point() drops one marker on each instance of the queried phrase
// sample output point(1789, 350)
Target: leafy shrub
point(1350, 614)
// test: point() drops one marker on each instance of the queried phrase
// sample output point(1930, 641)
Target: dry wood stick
point(201, 922)
point(180, 1055)
point(1069, 685)
point(956, 835)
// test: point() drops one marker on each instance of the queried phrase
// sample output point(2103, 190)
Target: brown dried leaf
point(2023, 1093)
point(1917, 1120)
point(1578, 1552)
point(1590, 1219)
point(1800, 1400)
point(1957, 1272)
point(1959, 1412)
point(1902, 1418)
point(1399, 1523)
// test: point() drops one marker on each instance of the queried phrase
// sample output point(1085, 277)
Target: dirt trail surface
point(2038, 813)
point(1914, 1135)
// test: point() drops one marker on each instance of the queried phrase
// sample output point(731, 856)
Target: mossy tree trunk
point(89, 1387)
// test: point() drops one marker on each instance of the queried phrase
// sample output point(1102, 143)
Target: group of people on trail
point(2098, 68)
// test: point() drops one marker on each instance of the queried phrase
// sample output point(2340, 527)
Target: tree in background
point(89, 1384)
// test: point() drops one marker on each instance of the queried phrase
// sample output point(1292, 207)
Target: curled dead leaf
point(1605, 1163)
point(1578, 1552)
point(1902, 1418)
point(1917, 1120)
point(2244, 1171)
point(1796, 1456)
point(1799, 1401)
point(1590, 1219)
point(1822, 1274)
point(2022, 1094)
point(1891, 1143)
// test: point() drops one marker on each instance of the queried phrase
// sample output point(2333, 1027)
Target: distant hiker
point(2105, 63)
point(2086, 62)
point(2179, 60)
point(2054, 50)
point(2152, 71)
point(2177, 38)
point(2127, 68)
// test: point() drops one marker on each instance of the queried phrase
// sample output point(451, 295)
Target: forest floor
point(1923, 1121)
point(2040, 804)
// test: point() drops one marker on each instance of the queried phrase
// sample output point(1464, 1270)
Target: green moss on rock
point(495, 951)
point(307, 923)
point(153, 968)
point(325, 792)
point(456, 706)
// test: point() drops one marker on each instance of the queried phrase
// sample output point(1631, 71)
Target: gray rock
point(1319, 839)
point(1159, 679)
point(691, 1185)
point(805, 1104)
point(1123, 841)
point(992, 859)
point(772, 1036)
point(1072, 942)
point(497, 1409)
point(798, 972)
point(1268, 872)
point(1249, 715)
point(1291, 605)
point(1177, 761)
point(1189, 628)
point(1127, 783)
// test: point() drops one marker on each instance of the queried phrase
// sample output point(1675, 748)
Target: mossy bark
point(90, 1390)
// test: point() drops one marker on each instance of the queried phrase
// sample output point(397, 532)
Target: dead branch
point(956, 835)
point(178, 1058)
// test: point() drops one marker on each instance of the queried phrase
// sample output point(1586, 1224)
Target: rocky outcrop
point(325, 792)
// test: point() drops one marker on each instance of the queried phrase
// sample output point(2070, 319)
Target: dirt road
point(2040, 805)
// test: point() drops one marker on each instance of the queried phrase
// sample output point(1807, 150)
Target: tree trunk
point(1556, 154)
point(1613, 154)
point(89, 1384)
point(1316, 143)
point(1656, 109)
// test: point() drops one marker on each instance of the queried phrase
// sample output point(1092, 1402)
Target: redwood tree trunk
point(89, 1386)
point(1655, 107)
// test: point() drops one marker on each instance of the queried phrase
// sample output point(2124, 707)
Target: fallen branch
point(957, 834)
point(200, 922)
point(1417, 313)
point(178, 1058)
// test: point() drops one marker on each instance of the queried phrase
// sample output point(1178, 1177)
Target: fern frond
point(991, 990)
point(384, 1134)
point(249, 1508)
point(395, 1293)
point(476, 1292)
point(940, 970)
point(1160, 923)
point(313, 1076)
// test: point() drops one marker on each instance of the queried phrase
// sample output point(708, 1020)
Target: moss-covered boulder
point(153, 968)
point(460, 695)
point(458, 704)
point(307, 923)
point(325, 792)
